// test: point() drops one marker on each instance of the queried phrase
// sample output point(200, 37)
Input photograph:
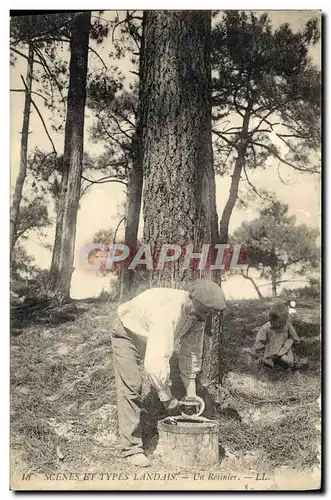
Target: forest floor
point(64, 414)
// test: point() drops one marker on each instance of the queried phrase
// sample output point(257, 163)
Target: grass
point(63, 400)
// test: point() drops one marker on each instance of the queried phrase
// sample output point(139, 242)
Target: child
point(274, 340)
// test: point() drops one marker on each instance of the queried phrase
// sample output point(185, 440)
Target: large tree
point(274, 244)
point(179, 190)
point(175, 140)
point(266, 99)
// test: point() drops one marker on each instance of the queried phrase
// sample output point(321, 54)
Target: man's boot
point(139, 460)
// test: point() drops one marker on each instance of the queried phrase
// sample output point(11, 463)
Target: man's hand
point(260, 362)
point(172, 406)
point(193, 401)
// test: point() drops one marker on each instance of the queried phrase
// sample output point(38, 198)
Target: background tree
point(15, 208)
point(33, 217)
point(275, 244)
point(34, 38)
point(98, 30)
point(127, 36)
point(62, 262)
point(118, 127)
point(266, 99)
point(48, 35)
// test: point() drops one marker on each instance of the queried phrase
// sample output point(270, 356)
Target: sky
point(101, 207)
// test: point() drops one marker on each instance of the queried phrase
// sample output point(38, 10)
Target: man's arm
point(190, 358)
point(160, 346)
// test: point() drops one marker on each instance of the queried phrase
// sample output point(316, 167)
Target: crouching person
point(147, 329)
point(274, 341)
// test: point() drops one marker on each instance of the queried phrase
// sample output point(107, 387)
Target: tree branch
point(32, 92)
point(126, 119)
point(220, 134)
point(285, 281)
point(49, 72)
point(48, 32)
point(275, 109)
point(114, 28)
point(252, 186)
point(40, 116)
point(109, 135)
point(277, 155)
point(98, 55)
point(236, 104)
point(129, 17)
point(35, 61)
point(286, 142)
point(228, 131)
point(104, 180)
point(135, 36)
point(117, 227)
point(102, 19)
point(280, 177)
point(249, 278)
point(119, 126)
point(295, 136)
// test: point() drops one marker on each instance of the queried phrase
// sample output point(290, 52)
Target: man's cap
point(208, 293)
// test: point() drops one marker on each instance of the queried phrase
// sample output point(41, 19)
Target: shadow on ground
point(44, 312)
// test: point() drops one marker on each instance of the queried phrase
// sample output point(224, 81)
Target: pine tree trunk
point(235, 181)
point(134, 195)
point(70, 193)
point(179, 180)
point(17, 197)
point(54, 272)
point(179, 195)
point(231, 201)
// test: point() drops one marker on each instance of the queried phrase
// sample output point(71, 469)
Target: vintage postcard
point(165, 243)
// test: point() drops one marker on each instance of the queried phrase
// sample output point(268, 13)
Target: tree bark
point(70, 192)
point(179, 180)
point(17, 197)
point(235, 180)
point(179, 190)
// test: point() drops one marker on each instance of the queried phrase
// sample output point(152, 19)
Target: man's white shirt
point(163, 316)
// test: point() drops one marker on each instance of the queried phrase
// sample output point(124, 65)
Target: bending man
point(147, 329)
